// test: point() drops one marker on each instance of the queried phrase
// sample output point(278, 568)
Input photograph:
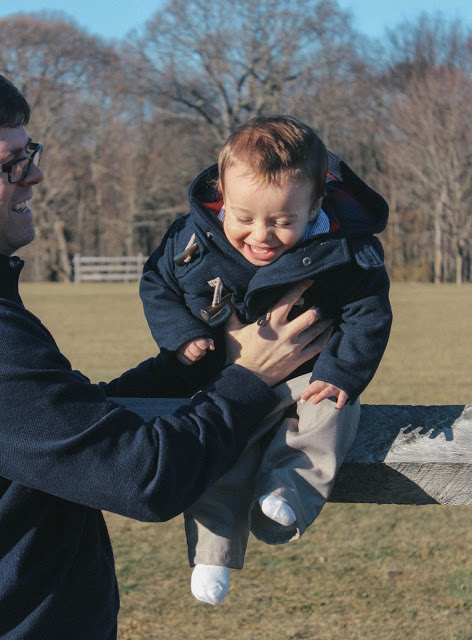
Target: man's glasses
point(18, 169)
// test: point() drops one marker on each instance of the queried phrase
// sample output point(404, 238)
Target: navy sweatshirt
point(66, 452)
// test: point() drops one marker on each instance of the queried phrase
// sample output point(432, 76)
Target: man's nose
point(35, 175)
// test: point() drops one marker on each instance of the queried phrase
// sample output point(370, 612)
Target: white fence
point(103, 268)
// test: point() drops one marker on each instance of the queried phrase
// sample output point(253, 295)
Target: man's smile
point(22, 207)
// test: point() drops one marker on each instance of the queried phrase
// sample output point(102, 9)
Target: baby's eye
point(245, 220)
point(283, 223)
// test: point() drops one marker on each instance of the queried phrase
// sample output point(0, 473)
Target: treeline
point(127, 124)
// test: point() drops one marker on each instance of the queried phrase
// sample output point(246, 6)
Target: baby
point(277, 209)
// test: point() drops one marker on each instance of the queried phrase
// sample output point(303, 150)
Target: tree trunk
point(438, 257)
point(459, 265)
point(65, 270)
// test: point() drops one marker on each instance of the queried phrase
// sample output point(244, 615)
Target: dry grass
point(430, 350)
point(100, 327)
point(362, 572)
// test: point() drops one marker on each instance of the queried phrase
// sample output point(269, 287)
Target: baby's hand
point(194, 350)
point(319, 390)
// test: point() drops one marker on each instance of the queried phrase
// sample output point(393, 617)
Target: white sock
point(277, 509)
point(210, 583)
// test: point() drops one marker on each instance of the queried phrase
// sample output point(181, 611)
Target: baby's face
point(263, 221)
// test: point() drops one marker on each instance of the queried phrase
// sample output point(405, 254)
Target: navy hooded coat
point(346, 266)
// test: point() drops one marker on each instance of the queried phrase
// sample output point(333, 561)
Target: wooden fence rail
point(104, 268)
point(402, 454)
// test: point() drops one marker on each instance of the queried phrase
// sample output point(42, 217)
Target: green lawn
point(361, 572)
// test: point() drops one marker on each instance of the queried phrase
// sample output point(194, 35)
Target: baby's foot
point(210, 583)
point(277, 509)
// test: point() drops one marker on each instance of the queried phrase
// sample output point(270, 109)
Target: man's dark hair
point(14, 110)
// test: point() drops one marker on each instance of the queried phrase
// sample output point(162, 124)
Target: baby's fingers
point(319, 391)
point(342, 399)
point(183, 359)
point(312, 390)
point(322, 395)
point(199, 347)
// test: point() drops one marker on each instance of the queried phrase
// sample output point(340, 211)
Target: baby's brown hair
point(274, 148)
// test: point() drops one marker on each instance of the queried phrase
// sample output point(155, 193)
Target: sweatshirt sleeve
point(61, 434)
point(354, 351)
point(171, 323)
point(162, 376)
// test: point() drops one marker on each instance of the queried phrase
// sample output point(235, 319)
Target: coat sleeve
point(171, 322)
point(60, 434)
point(354, 351)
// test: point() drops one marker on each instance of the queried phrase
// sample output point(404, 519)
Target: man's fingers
point(286, 302)
point(323, 329)
point(233, 322)
point(311, 330)
point(315, 345)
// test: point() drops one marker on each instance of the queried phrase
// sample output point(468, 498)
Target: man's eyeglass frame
point(8, 167)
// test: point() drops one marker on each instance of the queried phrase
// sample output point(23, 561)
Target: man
point(66, 451)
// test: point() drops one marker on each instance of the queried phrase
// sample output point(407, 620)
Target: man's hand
point(319, 390)
point(276, 347)
point(194, 350)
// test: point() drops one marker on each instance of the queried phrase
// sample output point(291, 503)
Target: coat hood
point(349, 202)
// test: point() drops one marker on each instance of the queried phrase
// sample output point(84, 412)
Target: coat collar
point(10, 269)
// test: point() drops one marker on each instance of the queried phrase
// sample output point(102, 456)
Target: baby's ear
point(219, 189)
point(315, 210)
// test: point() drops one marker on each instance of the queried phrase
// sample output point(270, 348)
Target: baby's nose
point(260, 233)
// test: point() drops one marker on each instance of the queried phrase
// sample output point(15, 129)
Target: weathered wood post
point(402, 454)
point(409, 455)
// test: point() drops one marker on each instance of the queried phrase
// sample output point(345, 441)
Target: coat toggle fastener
point(212, 311)
point(182, 258)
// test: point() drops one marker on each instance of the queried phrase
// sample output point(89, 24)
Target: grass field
point(361, 572)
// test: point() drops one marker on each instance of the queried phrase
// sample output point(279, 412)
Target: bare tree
point(428, 158)
point(222, 64)
point(430, 152)
point(57, 66)
point(429, 42)
point(127, 126)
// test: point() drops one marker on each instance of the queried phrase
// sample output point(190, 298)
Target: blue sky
point(114, 18)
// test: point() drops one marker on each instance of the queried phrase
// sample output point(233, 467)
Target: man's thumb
point(233, 321)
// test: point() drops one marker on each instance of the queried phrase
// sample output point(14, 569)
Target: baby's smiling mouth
point(261, 255)
point(260, 250)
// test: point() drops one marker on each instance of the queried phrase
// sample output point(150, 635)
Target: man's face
point(16, 217)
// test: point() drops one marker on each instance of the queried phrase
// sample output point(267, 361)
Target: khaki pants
point(295, 454)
